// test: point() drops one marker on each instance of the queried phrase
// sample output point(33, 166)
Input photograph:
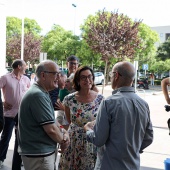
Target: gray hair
point(42, 66)
point(62, 74)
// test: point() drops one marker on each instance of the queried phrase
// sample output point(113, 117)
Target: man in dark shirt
point(54, 94)
point(72, 65)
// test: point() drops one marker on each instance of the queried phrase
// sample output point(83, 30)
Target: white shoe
point(1, 164)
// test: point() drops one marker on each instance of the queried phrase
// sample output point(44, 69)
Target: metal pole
point(136, 68)
point(3, 37)
point(74, 17)
point(22, 35)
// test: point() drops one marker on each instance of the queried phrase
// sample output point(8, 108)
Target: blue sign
point(145, 67)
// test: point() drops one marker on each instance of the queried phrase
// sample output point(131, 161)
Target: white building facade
point(163, 32)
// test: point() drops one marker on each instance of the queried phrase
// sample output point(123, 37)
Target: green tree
point(88, 56)
point(59, 44)
point(147, 51)
point(160, 66)
point(112, 35)
point(14, 26)
point(163, 52)
point(32, 39)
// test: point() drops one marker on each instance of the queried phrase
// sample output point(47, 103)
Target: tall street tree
point(163, 52)
point(14, 26)
point(32, 39)
point(59, 44)
point(112, 35)
point(147, 51)
point(32, 47)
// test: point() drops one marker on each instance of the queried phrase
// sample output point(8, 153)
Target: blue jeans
point(6, 136)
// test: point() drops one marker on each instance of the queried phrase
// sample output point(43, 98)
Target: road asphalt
point(153, 157)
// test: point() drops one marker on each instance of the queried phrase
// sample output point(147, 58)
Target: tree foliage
point(163, 52)
point(161, 66)
point(32, 39)
point(88, 56)
point(59, 43)
point(147, 51)
point(14, 26)
point(112, 35)
point(32, 47)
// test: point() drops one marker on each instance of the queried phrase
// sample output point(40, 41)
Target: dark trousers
point(6, 136)
point(16, 161)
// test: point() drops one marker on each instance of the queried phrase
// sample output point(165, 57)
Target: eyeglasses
point(112, 73)
point(72, 63)
point(84, 78)
point(53, 72)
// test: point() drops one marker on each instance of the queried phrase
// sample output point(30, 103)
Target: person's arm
point(55, 133)
point(59, 105)
point(67, 113)
point(164, 84)
point(7, 106)
point(99, 135)
point(1, 114)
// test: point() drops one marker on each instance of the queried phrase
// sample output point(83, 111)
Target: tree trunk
point(107, 73)
point(106, 62)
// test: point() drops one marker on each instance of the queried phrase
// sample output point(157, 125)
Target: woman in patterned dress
point(80, 108)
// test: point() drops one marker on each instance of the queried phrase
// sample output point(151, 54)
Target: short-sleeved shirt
point(35, 111)
point(13, 91)
point(63, 93)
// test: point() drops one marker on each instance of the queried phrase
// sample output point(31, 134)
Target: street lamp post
point(22, 35)
point(74, 17)
point(3, 37)
point(22, 40)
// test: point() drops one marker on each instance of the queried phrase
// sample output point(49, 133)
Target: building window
point(167, 35)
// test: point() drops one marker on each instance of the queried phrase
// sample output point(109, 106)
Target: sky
point(61, 12)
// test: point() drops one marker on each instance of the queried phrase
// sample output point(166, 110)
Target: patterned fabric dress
point(80, 155)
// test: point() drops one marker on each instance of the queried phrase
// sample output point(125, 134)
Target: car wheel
point(102, 82)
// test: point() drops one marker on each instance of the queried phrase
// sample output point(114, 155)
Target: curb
point(157, 93)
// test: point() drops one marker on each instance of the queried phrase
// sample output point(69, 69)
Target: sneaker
point(1, 164)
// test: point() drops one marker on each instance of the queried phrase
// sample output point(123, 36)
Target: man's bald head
point(125, 74)
point(44, 65)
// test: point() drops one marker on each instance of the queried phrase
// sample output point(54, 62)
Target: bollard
point(167, 164)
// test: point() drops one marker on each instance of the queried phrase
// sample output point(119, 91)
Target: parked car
point(99, 78)
point(165, 75)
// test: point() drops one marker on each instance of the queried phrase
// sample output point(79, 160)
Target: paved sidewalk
point(153, 156)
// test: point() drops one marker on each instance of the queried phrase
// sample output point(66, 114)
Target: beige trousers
point(39, 163)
